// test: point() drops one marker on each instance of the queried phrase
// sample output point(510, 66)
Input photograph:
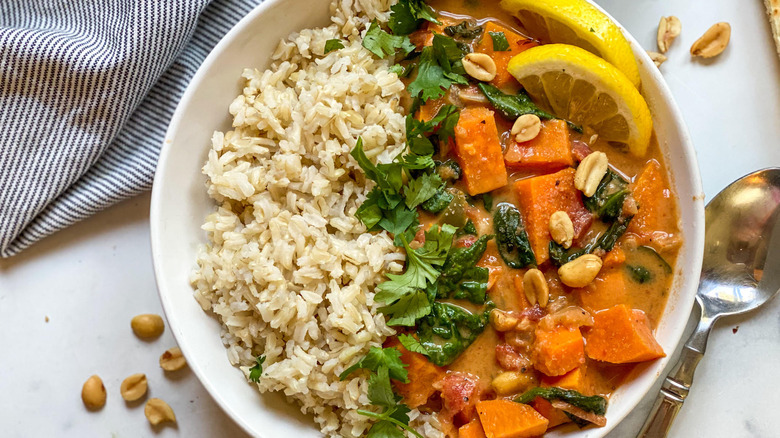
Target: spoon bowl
point(740, 272)
point(740, 269)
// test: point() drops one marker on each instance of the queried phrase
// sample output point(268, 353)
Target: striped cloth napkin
point(87, 89)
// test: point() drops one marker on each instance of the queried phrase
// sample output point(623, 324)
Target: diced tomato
point(460, 393)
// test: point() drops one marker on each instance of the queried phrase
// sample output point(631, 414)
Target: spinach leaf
point(606, 241)
point(438, 202)
point(469, 229)
point(461, 278)
point(594, 404)
point(500, 44)
point(487, 201)
point(511, 238)
point(449, 170)
point(467, 30)
point(334, 44)
point(514, 106)
point(407, 15)
point(607, 202)
point(610, 237)
point(639, 274)
point(448, 331)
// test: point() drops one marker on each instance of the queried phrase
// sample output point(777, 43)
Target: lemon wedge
point(577, 85)
point(578, 23)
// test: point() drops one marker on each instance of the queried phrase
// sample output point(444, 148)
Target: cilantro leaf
point(446, 119)
point(420, 263)
point(257, 369)
point(465, 29)
point(369, 212)
point(385, 429)
point(407, 310)
point(407, 15)
point(412, 344)
point(439, 67)
point(387, 176)
point(334, 44)
point(398, 220)
point(382, 44)
point(500, 44)
point(421, 189)
point(380, 392)
point(390, 358)
point(417, 162)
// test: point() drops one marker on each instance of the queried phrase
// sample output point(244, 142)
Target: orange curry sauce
point(538, 176)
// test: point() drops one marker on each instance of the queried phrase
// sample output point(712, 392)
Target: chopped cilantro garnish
point(500, 44)
point(334, 44)
point(382, 44)
point(412, 344)
point(407, 15)
point(257, 369)
point(384, 364)
point(439, 67)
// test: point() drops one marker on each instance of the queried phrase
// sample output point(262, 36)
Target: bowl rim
point(695, 241)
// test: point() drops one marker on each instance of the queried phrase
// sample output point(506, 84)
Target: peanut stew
point(539, 254)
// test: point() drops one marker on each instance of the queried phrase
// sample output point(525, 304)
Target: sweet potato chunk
point(422, 375)
point(622, 335)
point(558, 351)
point(540, 197)
point(507, 419)
point(555, 416)
point(653, 200)
point(517, 44)
point(576, 379)
point(478, 151)
point(549, 151)
point(472, 429)
point(609, 289)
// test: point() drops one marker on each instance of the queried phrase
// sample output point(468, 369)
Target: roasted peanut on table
point(158, 412)
point(133, 387)
point(147, 325)
point(581, 271)
point(93, 393)
point(713, 42)
point(657, 58)
point(172, 360)
point(669, 28)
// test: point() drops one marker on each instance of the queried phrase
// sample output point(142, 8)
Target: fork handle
point(677, 384)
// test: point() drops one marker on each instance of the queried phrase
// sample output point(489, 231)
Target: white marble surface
point(92, 278)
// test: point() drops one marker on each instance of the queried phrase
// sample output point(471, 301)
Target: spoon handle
point(677, 384)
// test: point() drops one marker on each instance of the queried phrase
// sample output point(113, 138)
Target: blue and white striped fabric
point(87, 89)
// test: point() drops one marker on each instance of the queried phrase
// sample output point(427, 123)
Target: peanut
point(669, 28)
point(535, 288)
point(562, 229)
point(713, 42)
point(590, 172)
point(581, 271)
point(480, 66)
point(526, 128)
point(158, 412)
point(133, 387)
point(172, 360)
point(93, 393)
point(147, 325)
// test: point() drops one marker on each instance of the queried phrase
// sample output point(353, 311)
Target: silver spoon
point(740, 272)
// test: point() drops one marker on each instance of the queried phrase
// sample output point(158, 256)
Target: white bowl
point(180, 204)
